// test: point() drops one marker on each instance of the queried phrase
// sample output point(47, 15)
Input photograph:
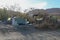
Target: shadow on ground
point(28, 30)
point(24, 29)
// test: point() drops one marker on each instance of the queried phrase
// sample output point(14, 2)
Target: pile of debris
point(49, 21)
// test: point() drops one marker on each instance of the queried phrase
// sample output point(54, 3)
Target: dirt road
point(8, 32)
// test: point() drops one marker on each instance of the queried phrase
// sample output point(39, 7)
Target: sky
point(26, 4)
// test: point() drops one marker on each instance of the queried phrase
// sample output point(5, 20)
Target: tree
point(3, 14)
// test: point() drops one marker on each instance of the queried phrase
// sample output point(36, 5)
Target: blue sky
point(53, 3)
point(50, 3)
point(26, 4)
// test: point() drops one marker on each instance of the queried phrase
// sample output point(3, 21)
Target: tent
point(18, 21)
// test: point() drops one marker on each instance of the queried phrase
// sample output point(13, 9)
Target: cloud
point(23, 4)
point(41, 5)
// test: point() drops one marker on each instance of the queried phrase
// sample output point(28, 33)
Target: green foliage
point(3, 14)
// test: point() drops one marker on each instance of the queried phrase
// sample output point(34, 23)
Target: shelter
point(18, 21)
